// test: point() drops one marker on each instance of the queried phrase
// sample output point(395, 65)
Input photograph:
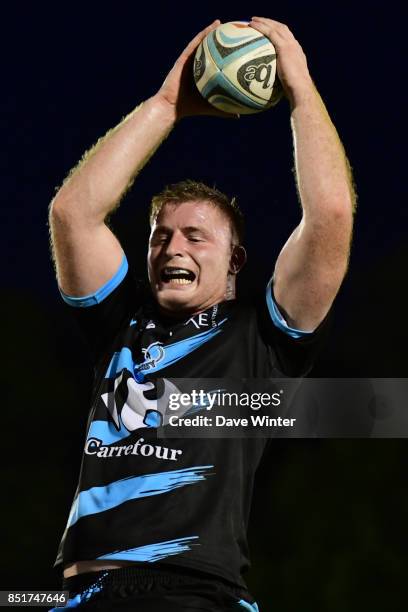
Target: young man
point(156, 523)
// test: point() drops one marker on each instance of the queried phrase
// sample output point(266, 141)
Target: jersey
point(182, 502)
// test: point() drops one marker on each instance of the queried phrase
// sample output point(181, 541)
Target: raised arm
point(86, 252)
point(313, 262)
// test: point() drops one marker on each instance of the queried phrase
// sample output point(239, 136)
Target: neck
point(179, 315)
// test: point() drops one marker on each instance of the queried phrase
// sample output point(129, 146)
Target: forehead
point(200, 214)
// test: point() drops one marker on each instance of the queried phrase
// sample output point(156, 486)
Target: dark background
point(329, 516)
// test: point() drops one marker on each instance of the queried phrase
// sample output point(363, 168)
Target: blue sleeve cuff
point(96, 298)
point(278, 319)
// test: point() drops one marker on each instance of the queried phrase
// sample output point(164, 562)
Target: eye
point(194, 239)
point(161, 239)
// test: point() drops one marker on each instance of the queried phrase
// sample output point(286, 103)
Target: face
point(189, 257)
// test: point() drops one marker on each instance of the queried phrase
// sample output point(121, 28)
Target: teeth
point(180, 281)
point(179, 276)
point(174, 271)
point(177, 271)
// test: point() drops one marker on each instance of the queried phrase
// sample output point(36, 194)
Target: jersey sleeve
point(296, 350)
point(101, 314)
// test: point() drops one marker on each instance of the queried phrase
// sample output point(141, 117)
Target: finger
point(276, 27)
point(268, 21)
point(208, 109)
point(205, 108)
point(193, 44)
point(208, 29)
point(274, 35)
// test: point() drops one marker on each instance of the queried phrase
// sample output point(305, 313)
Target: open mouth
point(177, 276)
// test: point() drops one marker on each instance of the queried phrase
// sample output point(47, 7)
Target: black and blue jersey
point(152, 500)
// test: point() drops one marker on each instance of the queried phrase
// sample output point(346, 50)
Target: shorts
point(143, 589)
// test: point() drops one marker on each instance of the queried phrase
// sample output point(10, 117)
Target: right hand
point(179, 89)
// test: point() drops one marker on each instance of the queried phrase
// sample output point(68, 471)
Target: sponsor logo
point(153, 354)
point(139, 411)
point(95, 446)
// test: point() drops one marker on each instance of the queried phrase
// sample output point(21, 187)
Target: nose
point(175, 245)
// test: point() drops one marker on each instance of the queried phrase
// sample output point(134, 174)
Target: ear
point(237, 259)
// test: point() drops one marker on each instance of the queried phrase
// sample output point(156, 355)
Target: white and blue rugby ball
point(235, 69)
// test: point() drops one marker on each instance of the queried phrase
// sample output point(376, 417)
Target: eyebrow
point(189, 229)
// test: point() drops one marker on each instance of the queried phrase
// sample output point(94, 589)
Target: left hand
point(291, 66)
point(179, 89)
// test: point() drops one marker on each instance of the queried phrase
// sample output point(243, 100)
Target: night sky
point(328, 516)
